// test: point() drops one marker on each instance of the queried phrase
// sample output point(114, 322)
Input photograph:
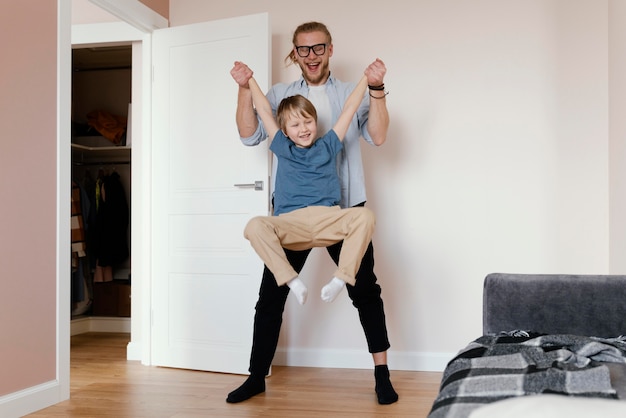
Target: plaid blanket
point(518, 363)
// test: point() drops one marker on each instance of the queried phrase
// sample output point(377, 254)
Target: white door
point(205, 276)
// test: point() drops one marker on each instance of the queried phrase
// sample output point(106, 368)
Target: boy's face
point(301, 129)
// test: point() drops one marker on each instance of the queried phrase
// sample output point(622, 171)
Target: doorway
point(101, 158)
point(123, 35)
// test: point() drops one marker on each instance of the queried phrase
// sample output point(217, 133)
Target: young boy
point(307, 193)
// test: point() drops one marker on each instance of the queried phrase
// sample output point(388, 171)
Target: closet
point(101, 180)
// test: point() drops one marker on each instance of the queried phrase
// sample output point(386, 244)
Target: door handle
point(258, 185)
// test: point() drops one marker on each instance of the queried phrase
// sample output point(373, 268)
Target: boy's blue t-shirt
point(306, 176)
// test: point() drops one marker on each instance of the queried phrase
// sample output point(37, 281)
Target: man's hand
point(241, 74)
point(375, 73)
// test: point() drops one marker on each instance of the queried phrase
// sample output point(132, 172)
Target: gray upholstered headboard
point(591, 305)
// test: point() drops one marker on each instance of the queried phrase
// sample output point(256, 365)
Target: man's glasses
point(318, 50)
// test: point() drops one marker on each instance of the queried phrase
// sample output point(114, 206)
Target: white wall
point(617, 134)
point(497, 159)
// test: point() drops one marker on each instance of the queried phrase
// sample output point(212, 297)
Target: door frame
point(135, 28)
point(140, 21)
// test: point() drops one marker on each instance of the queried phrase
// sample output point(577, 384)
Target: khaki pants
point(314, 226)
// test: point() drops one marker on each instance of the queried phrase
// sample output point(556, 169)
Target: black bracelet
point(381, 87)
point(381, 97)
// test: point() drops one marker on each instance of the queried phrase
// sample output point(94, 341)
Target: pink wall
point(162, 7)
point(28, 35)
point(28, 181)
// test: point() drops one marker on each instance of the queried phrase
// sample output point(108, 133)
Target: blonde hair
point(294, 105)
point(307, 27)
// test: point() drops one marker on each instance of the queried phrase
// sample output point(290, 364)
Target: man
point(312, 49)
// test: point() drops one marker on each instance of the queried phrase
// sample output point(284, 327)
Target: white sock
point(299, 289)
point(332, 289)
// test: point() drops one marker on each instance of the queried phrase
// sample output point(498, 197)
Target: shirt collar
point(303, 84)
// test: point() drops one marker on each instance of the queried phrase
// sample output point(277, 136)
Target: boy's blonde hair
point(294, 105)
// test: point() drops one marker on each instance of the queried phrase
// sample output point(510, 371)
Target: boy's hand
point(375, 73)
point(241, 74)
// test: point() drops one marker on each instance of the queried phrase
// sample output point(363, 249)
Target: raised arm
point(378, 120)
point(349, 108)
point(263, 108)
point(245, 116)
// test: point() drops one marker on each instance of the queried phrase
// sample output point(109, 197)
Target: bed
point(552, 345)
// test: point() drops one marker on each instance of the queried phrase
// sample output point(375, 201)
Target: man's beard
point(316, 77)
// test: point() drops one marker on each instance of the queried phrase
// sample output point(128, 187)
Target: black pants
point(365, 295)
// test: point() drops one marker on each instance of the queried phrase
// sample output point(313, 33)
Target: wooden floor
point(104, 384)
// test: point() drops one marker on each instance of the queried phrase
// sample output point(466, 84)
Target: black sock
point(384, 390)
point(252, 386)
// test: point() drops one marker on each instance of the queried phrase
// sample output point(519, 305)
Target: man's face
point(315, 68)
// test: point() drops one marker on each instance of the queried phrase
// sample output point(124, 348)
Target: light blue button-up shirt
point(349, 162)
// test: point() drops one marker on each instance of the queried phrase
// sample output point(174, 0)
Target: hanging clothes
point(112, 221)
point(80, 264)
point(79, 248)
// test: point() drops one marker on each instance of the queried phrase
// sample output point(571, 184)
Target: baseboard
point(31, 399)
point(342, 359)
point(99, 324)
point(353, 359)
point(133, 351)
